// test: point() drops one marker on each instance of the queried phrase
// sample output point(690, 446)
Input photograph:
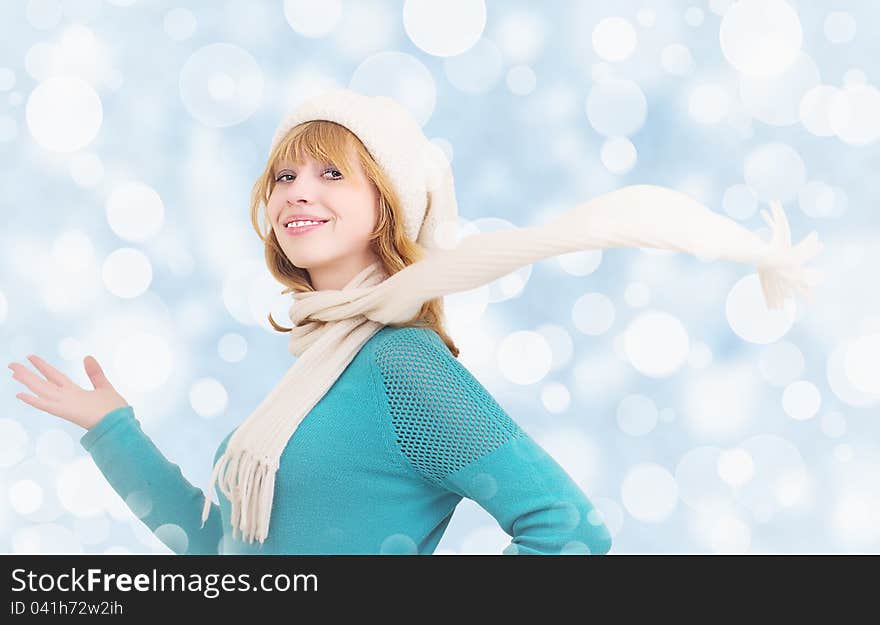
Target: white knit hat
point(417, 169)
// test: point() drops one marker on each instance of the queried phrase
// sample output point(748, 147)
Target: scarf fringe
point(248, 482)
point(783, 272)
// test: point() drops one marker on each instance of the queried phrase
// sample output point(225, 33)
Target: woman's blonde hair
point(328, 142)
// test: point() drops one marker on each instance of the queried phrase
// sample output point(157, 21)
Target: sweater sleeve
point(153, 488)
point(455, 435)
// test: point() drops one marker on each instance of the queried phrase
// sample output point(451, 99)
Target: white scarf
point(330, 327)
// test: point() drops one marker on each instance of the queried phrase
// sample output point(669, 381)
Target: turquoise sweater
point(376, 467)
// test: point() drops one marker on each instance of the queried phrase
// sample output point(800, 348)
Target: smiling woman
point(375, 433)
point(338, 212)
point(321, 170)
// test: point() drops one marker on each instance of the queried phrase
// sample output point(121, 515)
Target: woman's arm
point(533, 499)
point(151, 486)
point(451, 430)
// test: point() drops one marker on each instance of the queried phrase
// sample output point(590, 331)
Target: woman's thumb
point(96, 374)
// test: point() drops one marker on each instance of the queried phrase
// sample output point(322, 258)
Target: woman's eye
point(325, 171)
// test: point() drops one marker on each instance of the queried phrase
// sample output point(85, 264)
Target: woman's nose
point(301, 187)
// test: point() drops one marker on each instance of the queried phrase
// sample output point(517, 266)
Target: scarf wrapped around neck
point(330, 327)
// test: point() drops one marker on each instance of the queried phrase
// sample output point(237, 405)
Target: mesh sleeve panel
point(442, 416)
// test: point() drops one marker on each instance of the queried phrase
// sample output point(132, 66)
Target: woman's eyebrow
point(287, 165)
point(283, 167)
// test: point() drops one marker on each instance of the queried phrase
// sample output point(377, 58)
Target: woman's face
point(339, 249)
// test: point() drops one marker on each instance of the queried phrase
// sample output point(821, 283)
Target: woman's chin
point(306, 263)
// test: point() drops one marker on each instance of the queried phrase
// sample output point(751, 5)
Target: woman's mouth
point(295, 230)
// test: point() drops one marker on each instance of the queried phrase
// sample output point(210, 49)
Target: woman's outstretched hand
point(59, 395)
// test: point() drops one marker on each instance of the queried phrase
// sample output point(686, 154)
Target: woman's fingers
point(52, 374)
point(61, 397)
point(36, 402)
point(96, 373)
point(38, 385)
